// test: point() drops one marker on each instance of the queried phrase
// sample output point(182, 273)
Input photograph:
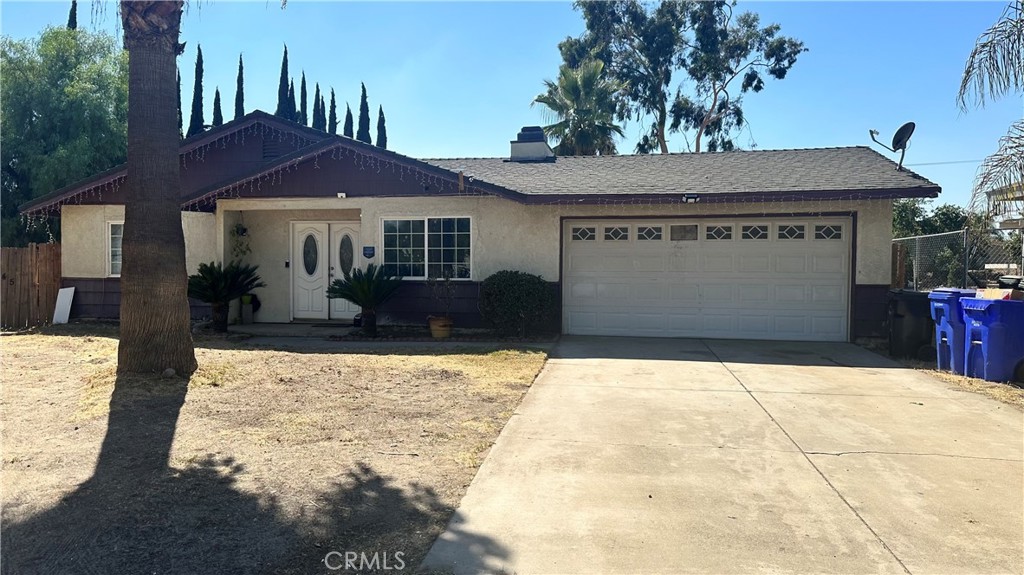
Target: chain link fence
point(964, 259)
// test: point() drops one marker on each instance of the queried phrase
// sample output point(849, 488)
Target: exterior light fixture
point(691, 198)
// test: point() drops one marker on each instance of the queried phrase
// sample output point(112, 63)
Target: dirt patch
point(264, 461)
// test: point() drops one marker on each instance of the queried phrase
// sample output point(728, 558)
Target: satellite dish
point(899, 140)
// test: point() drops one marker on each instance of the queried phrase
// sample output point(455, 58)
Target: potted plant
point(217, 285)
point(368, 290)
point(442, 289)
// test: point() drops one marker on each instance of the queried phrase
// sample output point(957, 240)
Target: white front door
point(310, 274)
point(321, 251)
point(344, 238)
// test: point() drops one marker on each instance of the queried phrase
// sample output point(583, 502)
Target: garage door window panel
point(792, 231)
point(754, 232)
point(718, 233)
point(616, 233)
point(683, 233)
point(828, 232)
point(648, 233)
point(584, 233)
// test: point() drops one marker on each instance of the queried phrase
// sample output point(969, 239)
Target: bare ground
point(264, 462)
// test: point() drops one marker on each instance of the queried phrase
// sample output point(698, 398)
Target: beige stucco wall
point(505, 234)
point(84, 239)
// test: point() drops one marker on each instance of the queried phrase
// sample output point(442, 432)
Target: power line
point(945, 163)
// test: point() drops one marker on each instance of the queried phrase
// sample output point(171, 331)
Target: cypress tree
point(239, 91)
point(73, 16)
point(282, 88)
point(181, 133)
point(323, 114)
point(363, 133)
point(303, 118)
point(292, 113)
point(316, 109)
point(347, 130)
point(382, 130)
point(195, 122)
point(218, 118)
point(332, 119)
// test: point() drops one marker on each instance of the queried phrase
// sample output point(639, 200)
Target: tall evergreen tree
point(239, 91)
point(292, 113)
point(332, 119)
point(195, 122)
point(73, 16)
point(363, 133)
point(323, 114)
point(181, 127)
point(218, 117)
point(282, 88)
point(303, 118)
point(316, 108)
point(347, 129)
point(382, 130)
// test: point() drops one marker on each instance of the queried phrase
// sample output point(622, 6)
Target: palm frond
point(1002, 170)
point(995, 66)
point(368, 289)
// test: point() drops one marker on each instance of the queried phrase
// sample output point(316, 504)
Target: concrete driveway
point(637, 455)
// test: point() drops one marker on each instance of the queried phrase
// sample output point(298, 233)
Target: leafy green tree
point(218, 117)
point(332, 118)
point(240, 91)
point(282, 89)
point(382, 129)
point(64, 117)
point(583, 103)
point(195, 122)
point(347, 129)
point(644, 46)
point(303, 118)
point(726, 50)
point(994, 69)
point(73, 16)
point(907, 215)
point(363, 133)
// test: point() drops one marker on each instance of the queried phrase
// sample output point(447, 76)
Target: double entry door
point(321, 253)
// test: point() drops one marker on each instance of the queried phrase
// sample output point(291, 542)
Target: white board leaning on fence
point(63, 308)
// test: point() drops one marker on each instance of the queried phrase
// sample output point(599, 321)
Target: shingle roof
point(852, 169)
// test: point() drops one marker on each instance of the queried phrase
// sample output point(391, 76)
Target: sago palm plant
point(217, 285)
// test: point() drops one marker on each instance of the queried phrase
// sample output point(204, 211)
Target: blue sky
point(457, 79)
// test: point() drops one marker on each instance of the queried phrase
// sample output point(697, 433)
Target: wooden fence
point(31, 279)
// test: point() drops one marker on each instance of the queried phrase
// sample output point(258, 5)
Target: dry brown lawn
point(277, 457)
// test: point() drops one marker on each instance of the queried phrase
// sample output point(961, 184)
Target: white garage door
point(750, 279)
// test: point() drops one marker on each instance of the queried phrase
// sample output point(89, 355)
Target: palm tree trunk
point(155, 332)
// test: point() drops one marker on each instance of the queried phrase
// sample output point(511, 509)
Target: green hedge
point(518, 302)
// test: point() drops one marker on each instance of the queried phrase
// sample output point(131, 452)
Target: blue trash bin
point(994, 338)
point(949, 327)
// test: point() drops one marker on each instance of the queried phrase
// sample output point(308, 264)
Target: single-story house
point(773, 244)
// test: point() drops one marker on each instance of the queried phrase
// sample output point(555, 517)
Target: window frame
point(426, 243)
point(109, 244)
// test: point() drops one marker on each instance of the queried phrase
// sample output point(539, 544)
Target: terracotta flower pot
point(440, 327)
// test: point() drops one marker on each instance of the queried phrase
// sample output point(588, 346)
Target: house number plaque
point(368, 252)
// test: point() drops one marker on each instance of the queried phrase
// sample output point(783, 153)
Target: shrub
point(217, 286)
point(368, 290)
point(514, 302)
